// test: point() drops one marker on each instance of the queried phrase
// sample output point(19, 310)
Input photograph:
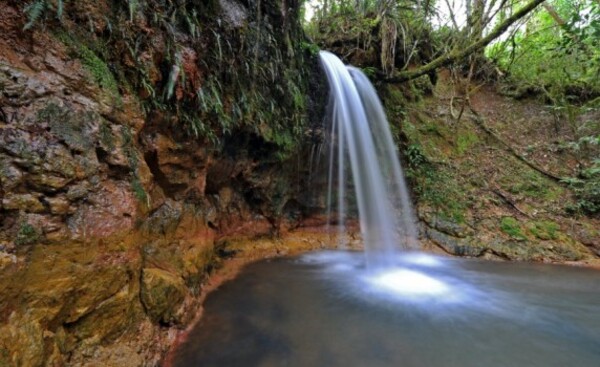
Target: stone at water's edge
point(162, 295)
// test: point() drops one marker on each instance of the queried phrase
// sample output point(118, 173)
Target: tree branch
point(455, 55)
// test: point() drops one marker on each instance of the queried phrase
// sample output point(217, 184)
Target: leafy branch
point(457, 54)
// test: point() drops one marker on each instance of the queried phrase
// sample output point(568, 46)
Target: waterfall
point(360, 139)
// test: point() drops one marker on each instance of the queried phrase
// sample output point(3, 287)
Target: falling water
point(360, 135)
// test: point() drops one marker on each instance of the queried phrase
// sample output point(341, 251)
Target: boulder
point(162, 294)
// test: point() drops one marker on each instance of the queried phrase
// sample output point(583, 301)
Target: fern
point(60, 7)
point(34, 11)
point(133, 6)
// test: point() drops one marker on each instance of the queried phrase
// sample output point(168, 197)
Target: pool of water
point(326, 309)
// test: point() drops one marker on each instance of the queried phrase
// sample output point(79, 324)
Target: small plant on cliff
point(36, 9)
point(544, 230)
point(27, 235)
point(139, 191)
point(96, 67)
point(510, 226)
point(587, 190)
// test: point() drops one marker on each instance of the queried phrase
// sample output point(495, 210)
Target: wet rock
point(78, 130)
point(10, 176)
point(162, 294)
point(188, 259)
point(21, 342)
point(165, 219)
point(177, 168)
point(110, 210)
point(108, 319)
point(234, 14)
point(111, 356)
point(513, 250)
point(453, 245)
point(447, 226)
point(26, 202)
point(59, 205)
point(58, 161)
point(114, 148)
point(78, 191)
point(42, 223)
point(47, 183)
point(7, 259)
point(21, 145)
point(588, 236)
point(109, 283)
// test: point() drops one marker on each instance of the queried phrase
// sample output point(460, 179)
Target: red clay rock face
point(110, 213)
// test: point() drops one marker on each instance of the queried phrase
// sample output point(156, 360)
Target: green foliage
point(311, 48)
point(138, 190)
point(562, 60)
point(587, 190)
point(416, 158)
point(132, 6)
point(99, 70)
point(544, 230)
point(511, 227)
point(465, 140)
point(35, 10)
point(94, 65)
point(435, 186)
point(27, 235)
point(369, 71)
point(372, 28)
point(530, 183)
point(106, 136)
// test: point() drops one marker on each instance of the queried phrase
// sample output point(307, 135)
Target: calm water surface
point(325, 309)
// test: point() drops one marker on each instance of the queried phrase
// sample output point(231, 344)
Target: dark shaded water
point(324, 309)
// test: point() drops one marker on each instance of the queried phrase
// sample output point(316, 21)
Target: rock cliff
point(135, 137)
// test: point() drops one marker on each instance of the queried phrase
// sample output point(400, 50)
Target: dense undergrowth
point(550, 55)
point(249, 78)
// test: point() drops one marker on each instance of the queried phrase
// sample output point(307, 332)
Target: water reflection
point(326, 309)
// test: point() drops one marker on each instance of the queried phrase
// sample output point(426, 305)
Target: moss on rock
point(162, 294)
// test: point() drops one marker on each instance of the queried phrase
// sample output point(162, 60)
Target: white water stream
point(360, 137)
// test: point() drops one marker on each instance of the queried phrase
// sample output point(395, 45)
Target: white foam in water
point(409, 283)
point(421, 259)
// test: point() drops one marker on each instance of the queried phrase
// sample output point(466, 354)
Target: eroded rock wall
point(133, 137)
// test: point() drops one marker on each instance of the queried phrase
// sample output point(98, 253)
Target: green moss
point(99, 71)
point(129, 148)
point(107, 138)
point(138, 190)
point(68, 126)
point(525, 181)
point(587, 190)
point(464, 141)
point(5, 360)
point(432, 128)
point(27, 235)
point(544, 230)
point(511, 227)
point(94, 65)
point(436, 186)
